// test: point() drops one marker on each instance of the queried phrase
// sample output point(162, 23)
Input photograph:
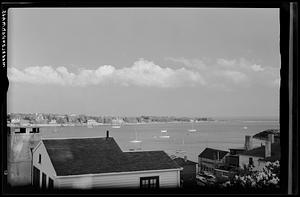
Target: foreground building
point(20, 143)
point(188, 174)
point(209, 159)
point(100, 163)
point(257, 157)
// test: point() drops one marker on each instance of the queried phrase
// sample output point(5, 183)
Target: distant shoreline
point(129, 124)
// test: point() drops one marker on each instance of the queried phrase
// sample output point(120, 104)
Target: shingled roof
point(210, 153)
point(101, 155)
point(182, 162)
point(260, 152)
point(263, 135)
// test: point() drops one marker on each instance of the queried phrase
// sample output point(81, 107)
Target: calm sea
point(213, 134)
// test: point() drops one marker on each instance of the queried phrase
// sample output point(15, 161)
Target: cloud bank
point(228, 74)
point(142, 73)
point(221, 73)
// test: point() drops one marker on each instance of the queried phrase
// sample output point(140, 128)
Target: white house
point(257, 157)
point(100, 163)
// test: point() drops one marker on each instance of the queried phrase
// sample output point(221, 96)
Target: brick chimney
point(107, 134)
point(268, 145)
point(248, 142)
point(185, 158)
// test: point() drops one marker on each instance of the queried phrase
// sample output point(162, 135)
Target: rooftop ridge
point(70, 138)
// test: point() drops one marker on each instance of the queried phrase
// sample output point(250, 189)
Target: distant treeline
point(44, 118)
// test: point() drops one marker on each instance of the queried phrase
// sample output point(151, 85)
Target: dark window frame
point(150, 182)
point(40, 159)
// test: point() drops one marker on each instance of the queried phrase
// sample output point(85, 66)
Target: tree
point(267, 178)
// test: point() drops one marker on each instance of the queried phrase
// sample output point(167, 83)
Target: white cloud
point(235, 76)
point(257, 68)
point(231, 72)
point(183, 73)
point(143, 73)
point(226, 63)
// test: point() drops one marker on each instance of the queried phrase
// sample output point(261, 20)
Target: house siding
point(205, 163)
point(45, 166)
point(244, 160)
point(167, 179)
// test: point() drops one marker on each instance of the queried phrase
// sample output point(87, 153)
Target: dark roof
point(149, 160)
point(264, 134)
point(260, 151)
point(101, 155)
point(210, 153)
point(181, 162)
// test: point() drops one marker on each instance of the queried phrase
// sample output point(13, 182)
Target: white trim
point(120, 173)
point(178, 179)
point(40, 142)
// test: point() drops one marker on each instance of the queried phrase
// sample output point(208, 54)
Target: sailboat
point(164, 136)
point(181, 151)
point(136, 139)
point(192, 130)
point(116, 126)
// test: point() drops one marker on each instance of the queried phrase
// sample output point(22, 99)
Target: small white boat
point(164, 136)
point(163, 131)
point(136, 139)
point(192, 129)
point(116, 127)
point(245, 127)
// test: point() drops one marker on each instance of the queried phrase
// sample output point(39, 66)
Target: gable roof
point(260, 151)
point(210, 153)
point(101, 155)
point(181, 162)
point(263, 135)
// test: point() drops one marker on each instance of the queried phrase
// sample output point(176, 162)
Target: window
point(251, 161)
point(40, 158)
point(149, 182)
point(36, 177)
point(44, 180)
point(50, 183)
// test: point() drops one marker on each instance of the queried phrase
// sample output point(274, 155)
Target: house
point(100, 163)
point(232, 159)
point(257, 157)
point(209, 159)
point(188, 174)
point(264, 135)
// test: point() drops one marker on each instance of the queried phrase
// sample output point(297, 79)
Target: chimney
point(268, 146)
point(107, 134)
point(248, 142)
point(185, 158)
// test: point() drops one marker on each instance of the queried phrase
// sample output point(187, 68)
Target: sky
point(144, 61)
